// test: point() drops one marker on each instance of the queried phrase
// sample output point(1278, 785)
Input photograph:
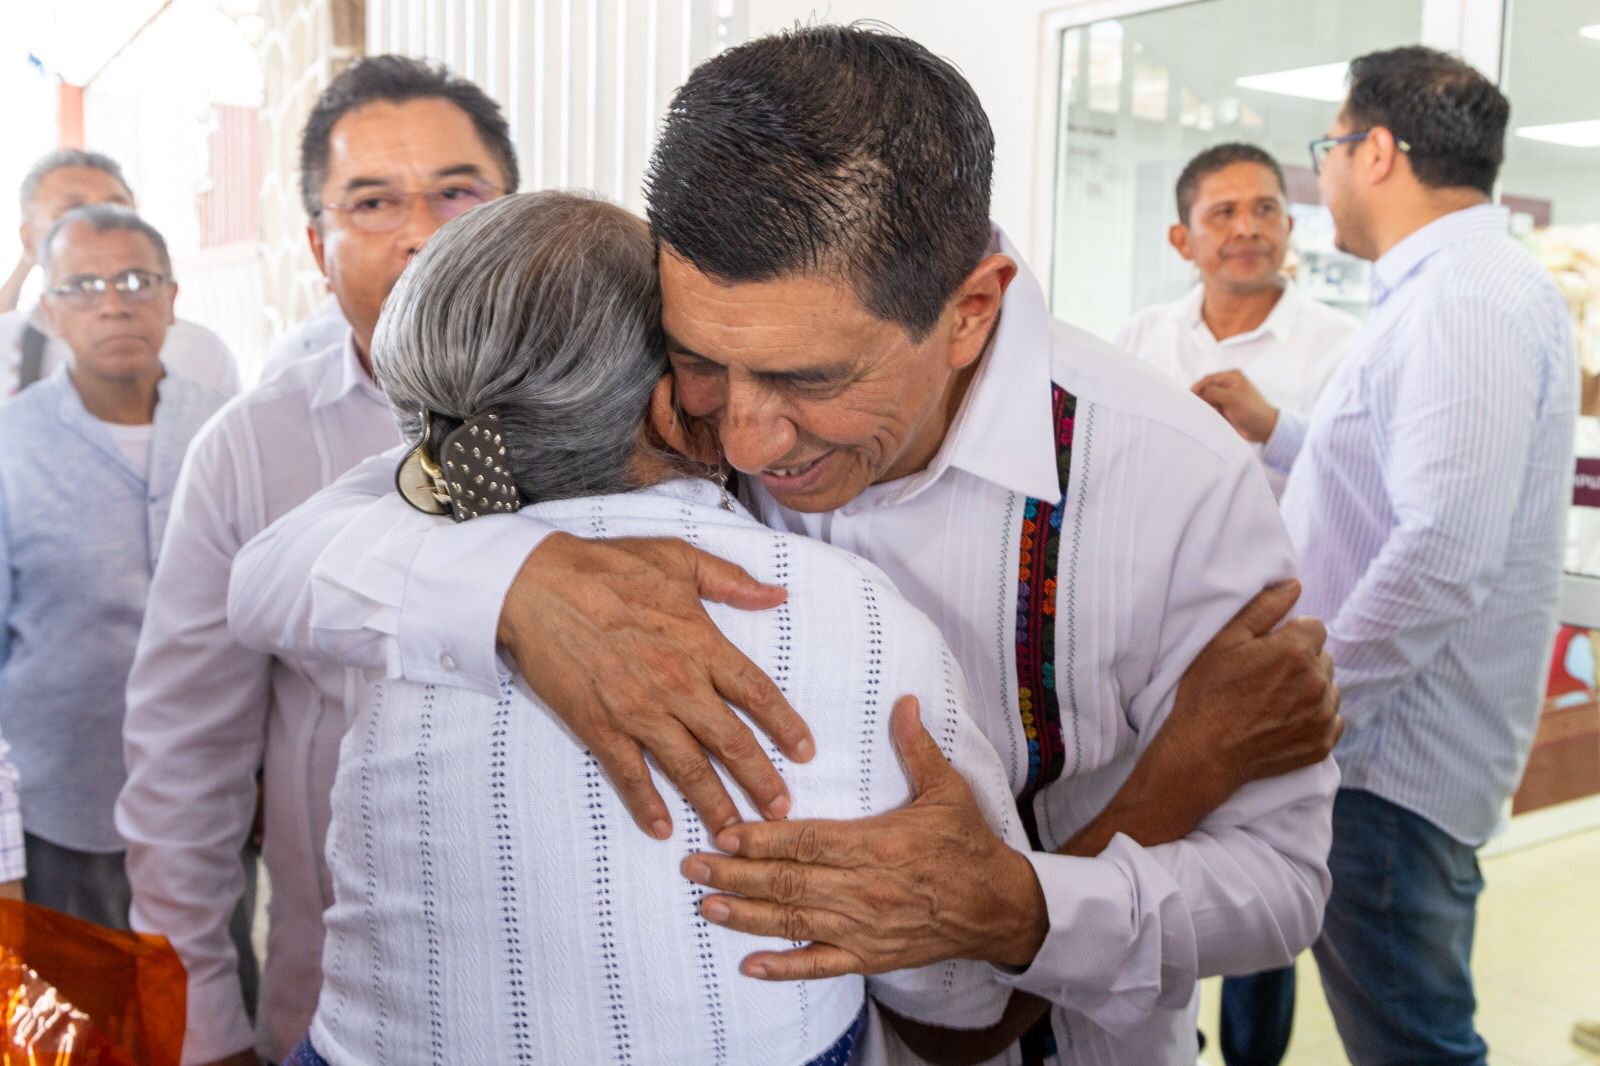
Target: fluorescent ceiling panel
point(1324, 82)
point(1584, 134)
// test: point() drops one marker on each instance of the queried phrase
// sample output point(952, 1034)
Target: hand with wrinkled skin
point(918, 885)
point(1255, 703)
point(612, 635)
point(1236, 398)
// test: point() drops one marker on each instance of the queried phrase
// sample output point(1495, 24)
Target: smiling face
point(419, 146)
point(808, 391)
point(1237, 233)
point(112, 337)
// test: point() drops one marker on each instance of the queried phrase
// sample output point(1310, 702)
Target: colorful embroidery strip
point(1038, 565)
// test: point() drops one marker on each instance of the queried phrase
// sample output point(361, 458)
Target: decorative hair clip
point(462, 472)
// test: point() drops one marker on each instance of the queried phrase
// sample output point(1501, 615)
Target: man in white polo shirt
point(1234, 225)
point(65, 179)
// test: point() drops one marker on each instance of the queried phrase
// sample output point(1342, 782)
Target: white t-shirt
point(1289, 357)
point(134, 442)
point(190, 351)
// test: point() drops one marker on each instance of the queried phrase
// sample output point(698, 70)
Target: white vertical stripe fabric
point(1427, 503)
point(488, 879)
point(584, 83)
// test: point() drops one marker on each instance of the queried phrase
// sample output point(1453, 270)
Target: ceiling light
point(1324, 82)
point(1591, 32)
point(1585, 134)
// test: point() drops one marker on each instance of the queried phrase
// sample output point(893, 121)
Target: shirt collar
point(1399, 263)
point(1002, 431)
point(342, 374)
point(1280, 321)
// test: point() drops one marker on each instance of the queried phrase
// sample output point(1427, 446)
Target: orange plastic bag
point(78, 994)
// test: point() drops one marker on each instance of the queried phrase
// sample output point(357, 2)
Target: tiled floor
point(1537, 961)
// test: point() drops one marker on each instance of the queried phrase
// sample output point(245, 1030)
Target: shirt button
point(448, 661)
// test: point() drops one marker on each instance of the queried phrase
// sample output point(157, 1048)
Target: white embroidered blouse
point(495, 903)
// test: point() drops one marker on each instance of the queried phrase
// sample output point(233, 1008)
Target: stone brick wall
point(305, 44)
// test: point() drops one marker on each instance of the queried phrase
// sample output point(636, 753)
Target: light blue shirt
point(79, 532)
point(1428, 503)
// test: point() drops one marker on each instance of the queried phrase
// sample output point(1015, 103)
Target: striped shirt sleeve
point(12, 862)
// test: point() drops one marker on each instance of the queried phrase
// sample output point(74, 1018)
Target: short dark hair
point(1453, 117)
point(396, 80)
point(843, 149)
point(61, 159)
point(104, 218)
point(1219, 157)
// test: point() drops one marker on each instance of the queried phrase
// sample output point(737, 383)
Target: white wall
point(584, 83)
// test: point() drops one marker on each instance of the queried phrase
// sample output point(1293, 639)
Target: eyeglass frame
point(347, 207)
point(1328, 144)
point(81, 298)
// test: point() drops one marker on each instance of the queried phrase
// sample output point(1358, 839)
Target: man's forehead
point(80, 247)
point(1245, 179)
point(390, 141)
point(84, 185)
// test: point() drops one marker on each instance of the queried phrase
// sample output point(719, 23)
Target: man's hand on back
point(656, 674)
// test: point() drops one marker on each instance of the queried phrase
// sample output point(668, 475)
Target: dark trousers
point(1396, 947)
point(94, 886)
point(91, 885)
point(1257, 1017)
point(239, 927)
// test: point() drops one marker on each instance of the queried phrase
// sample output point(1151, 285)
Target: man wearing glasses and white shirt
point(392, 150)
point(88, 462)
point(1234, 225)
point(29, 350)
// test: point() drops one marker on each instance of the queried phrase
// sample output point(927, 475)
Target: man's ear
point(977, 306)
point(51, 318)
point(314, 238)
point(1386, 154)
point(692, 438)
point(1178, 237)
point(172, 302)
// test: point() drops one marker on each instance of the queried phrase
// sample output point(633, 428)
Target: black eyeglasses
point(135, 286)
point(1323, 145)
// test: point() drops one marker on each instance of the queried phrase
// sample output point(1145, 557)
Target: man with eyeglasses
point(392, 150)
point(29, 352)
point(1427, 498)
point(88, 461)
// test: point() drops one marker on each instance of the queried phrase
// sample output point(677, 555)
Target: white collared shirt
point(324, 327)
point(1289, 357)
point(1170, 530)
point(475, 841)
point(190, 351)
point(80, 537)
point(204, 712)
point(1429, 503)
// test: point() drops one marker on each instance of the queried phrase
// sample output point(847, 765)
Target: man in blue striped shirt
point(1427, 500)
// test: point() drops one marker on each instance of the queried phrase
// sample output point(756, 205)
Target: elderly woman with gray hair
point(493, 902)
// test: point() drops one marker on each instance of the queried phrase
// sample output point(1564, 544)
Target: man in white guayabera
point(863, 346)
